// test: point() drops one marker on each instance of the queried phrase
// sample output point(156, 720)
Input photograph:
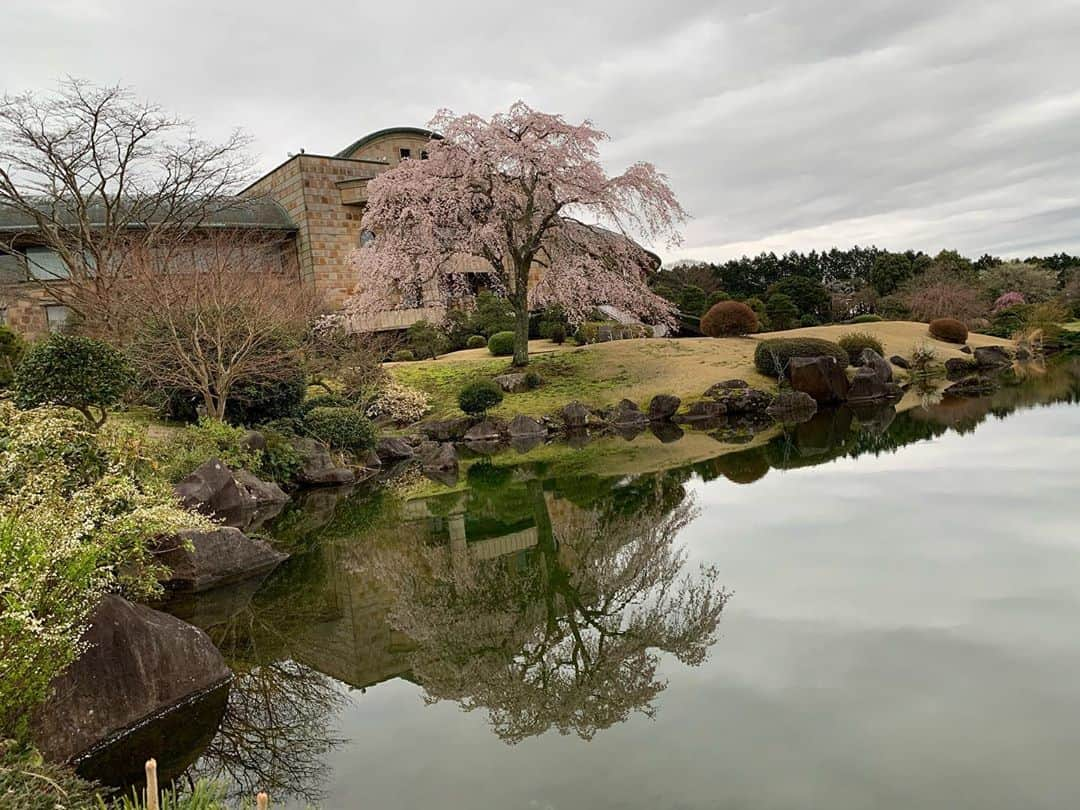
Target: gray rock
point(792, 407)
point(666, 432)
point(263, 493)
point(446, 430)
point(575, 416)
point(867, 386)
point(200, 560)
point(522, 426)
point(900, 362)
point(662, 407)
point(318, 469)
point(255, 441)
point(738, 397)
point(874, 419)
point(512, 383)
point(137, 664)
point(957, 367)
point(627, 414)
point(965, 349)
point(441, 458)
point(703, 410)
point(369, 460)
point(992, 357)
point(868, 358)
point(820, 377)
point(393, 448)
point(212, 489)
point(487, 430)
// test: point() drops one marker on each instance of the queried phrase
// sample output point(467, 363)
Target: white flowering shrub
point(399, 403)
point(77, 511)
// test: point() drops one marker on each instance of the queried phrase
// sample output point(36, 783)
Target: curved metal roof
point(423, 133)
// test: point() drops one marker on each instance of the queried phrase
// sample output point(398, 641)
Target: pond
point(870, 610)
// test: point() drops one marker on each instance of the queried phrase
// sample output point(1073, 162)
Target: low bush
point(923, 357)
point(340, 428)
point(398, 403)
point(259, 401)
point(403, 356)
point(324, 401)
point(11, 352)
point(281, 461)
point(771, 357)
point(501, 344)
point(477, 397)
point(73, 372)
point(558, 334)
point(532, 379)
point(601, 331)
point(426, 339)
point(854, 342)
point(729, 319)
point(948, 329)
point(807, 321)
point(27, 782)
point(866, 317)
point(203, 441)
point(1009, 321)
point(475, 342)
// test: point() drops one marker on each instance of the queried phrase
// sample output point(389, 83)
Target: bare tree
point(219, 311)
point(91, 173)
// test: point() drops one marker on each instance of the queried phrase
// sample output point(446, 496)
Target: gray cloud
point(792, 124)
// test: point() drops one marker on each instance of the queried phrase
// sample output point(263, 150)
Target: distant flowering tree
point(520, 190)
point(1009, 299)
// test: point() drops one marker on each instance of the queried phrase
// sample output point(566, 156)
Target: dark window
point(405, 153)
point(423, 155)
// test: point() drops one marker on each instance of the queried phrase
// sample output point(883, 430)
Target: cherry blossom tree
point(521, 191)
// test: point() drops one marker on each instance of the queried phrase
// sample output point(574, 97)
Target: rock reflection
point(564, 634)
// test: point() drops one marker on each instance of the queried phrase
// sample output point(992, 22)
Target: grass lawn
point(601, 374)
point(1073, 327)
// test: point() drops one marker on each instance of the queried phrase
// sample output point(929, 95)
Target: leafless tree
point(222, 310)
point(91, 173)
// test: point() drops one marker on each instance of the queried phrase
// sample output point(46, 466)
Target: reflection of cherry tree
point(564, 635)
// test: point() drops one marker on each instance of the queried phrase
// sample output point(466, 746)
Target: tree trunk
point(521, 331)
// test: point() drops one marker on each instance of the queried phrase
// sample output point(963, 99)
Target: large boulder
point(627, 415)
point(738, 397)
point(871, 359)
point(200, 560)
point(820, 377)
point(575, 416)
point(867, 386)
point(512, 383)
point(232, 496)
point(318, 468)
point(393, 448)
point(958, 367)
point(138, 663)
point(262, 493)
point(446, 430)
point(702, 411)
point(487, 430)
point(992, 357)
point(662, 407)
point(900, 362)
point(436, 457)
point(792, 407)
point(522, 426)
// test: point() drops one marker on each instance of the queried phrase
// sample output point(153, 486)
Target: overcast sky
point(783, 125)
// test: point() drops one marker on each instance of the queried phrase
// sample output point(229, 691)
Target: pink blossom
point(521, 191)
point(1009, 299)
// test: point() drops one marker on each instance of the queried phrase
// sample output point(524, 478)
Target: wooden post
point(262, 801)
point(151, 784)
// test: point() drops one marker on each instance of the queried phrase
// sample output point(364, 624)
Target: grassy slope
point(602, 374)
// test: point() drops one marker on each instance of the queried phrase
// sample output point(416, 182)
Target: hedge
point(778, 352)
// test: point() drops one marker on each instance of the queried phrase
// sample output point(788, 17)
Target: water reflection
point(542, 601)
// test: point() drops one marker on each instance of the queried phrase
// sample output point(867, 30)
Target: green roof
point(352, 147)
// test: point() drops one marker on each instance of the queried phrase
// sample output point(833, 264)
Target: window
point(423, 154)
point(366, 237)
point(405, 154)
point(45, 264)
point(56, 315)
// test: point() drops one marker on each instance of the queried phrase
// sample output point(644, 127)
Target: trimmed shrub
point(340, 428)
point(866, 317)
point(324, 401)
point(398, 403)
point(532, 379)
point(73, 372)
point(11, 352)
point(1008, 321)
point(558, 334)
point(403, 356)
point(807, 321)
point(948, 329)
point(772, 356)
point(281, 460)
point(259, 401)
point(501, 344)
point(492, 314)
point(782, 311)
point(854, 342)
point(208, 439)
point(426, 339)
point(728, 319)
point(716, 297)
point(475, 342)
point(476, 397)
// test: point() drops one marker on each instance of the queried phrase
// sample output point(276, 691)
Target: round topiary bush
point(403, 356)
point(340, 428)
point(73, 372)
point(476, 397)
point(948, 329)
point(729, 319)
point(854, 343)
point(501, 344)
point(866, 317)
point(475, 342)
point(772, 356)
point(558, 334)
point(254, 402)
point(807, 321)
point(533, 380)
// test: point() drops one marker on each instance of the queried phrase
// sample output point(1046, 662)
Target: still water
point(874, 610)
